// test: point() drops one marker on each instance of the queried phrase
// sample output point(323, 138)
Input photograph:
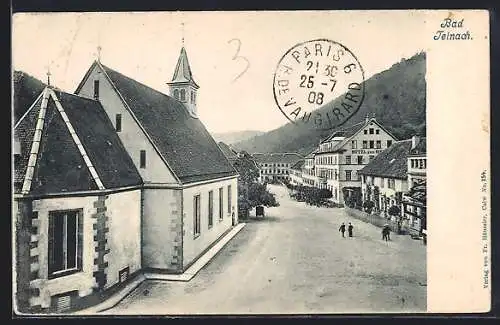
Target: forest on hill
point(397, 97)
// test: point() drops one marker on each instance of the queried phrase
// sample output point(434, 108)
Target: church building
point(119, 178)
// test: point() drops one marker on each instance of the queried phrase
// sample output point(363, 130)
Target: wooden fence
point(376, 220)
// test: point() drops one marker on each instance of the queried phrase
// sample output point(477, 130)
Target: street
point(295, 261)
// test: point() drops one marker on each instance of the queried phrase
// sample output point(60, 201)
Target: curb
point(184, 277)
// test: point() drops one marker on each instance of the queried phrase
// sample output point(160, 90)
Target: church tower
point(183, 87)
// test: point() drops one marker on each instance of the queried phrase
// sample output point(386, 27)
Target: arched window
point(176, 93)
point(183, 95)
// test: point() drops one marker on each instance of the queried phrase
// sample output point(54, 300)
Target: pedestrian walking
point(385, 232)
point(349, 229)
point(342, 229)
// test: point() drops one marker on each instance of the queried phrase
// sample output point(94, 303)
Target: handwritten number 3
point(237, 56)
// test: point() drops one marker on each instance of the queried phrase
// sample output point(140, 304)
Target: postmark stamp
point(319, 83)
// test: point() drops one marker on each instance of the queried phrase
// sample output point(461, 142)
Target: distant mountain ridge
point(233, 137)
point(397, 97)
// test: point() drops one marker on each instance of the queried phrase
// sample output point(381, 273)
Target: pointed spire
point(182, 73)
point(48, 75)
point(99, 49)
point(182, 31)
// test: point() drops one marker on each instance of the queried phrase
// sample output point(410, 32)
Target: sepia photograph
point(234, 163)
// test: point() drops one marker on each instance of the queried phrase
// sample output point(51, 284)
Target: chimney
point(415, 140)
point(367, 118)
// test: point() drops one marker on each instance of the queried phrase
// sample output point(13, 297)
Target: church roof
point(26, 90)
point(182, 140)
point(182, 73)
point(392, 162)
point(228, 151)
point(69, 144)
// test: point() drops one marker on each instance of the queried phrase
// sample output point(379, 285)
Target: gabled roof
point(420, 149)
point(68, 144)
point(392, 162)
point(228, 151)
point(182, 140)
point(298, 165)
point(287, 157)
point(348, 133)
point(182, 73)
point(26, 90)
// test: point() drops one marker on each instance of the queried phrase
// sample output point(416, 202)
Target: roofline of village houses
point(121, 189)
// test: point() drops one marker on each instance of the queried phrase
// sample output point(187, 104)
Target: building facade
point(296, 173)
point(384, 179)
point(340, 156)
point(309, 177)
point(112, 181)
point(77, 205)
point(275, 167)
point(415, 201)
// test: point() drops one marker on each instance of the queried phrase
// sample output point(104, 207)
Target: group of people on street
point(349, 229)
point(386, 231)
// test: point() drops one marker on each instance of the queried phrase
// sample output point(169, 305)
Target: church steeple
point(183, 87)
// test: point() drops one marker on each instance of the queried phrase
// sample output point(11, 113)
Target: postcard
point(251, 162)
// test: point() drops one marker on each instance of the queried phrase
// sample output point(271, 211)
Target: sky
point(233, 55)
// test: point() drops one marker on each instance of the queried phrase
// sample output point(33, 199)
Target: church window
point(118, 122)
point(96, 89)
point(176, 93)
point(143, 159)
point(65, 242)
point(183, 95)
point(196, 215)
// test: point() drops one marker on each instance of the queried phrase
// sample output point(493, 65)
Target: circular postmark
point(319, 83)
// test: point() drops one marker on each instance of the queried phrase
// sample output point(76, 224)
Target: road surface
point(295, 261)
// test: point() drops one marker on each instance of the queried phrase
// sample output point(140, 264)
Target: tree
point(352, 197)
point(312, 195)
point(250, 192)
point(246, 167)
point(394, 210)
point(368, 206)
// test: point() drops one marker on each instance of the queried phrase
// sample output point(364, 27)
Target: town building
point(296, 173)
point(77, 204)
point(275, 167)
point(309, 177)
point(341, 155)
point(415, 201)
point(116, 179)
point(384, 179)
